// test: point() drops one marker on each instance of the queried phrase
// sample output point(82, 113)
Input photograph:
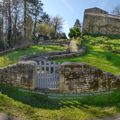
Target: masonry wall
point(73, 77)
point(81, 78)
point(20, 74)
point(96, 21)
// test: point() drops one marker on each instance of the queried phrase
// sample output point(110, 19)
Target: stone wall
point(73, 77)
point(21, 74)
point(99, 21)
point(80, 52)
point(81, 78)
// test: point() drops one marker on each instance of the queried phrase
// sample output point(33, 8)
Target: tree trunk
point(34, 29)
point(25, 15)
point(9, 25)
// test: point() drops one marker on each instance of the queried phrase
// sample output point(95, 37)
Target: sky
point(70, 10)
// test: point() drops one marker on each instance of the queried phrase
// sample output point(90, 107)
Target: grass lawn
point(31, 106)
point(98, 56)
point(14, 56)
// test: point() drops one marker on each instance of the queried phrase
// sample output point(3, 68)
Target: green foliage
point(46, 29)
point(74, 32)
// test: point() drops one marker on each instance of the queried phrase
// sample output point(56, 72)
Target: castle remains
point(97, 20)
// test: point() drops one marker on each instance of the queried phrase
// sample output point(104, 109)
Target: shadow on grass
point(29, 98)
point(42, 101)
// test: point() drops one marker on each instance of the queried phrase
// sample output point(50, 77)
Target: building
point(97, 20)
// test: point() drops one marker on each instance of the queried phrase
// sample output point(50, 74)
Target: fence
point(47, 75)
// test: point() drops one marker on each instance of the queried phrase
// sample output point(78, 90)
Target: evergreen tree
point(77, 24)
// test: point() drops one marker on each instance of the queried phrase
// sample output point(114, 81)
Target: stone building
point(97, 20)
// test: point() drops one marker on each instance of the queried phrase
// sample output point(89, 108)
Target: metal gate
point(47, 75)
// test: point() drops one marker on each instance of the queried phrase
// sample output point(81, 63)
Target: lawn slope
point(30, 106)
point(14, 56)
point(100, 53)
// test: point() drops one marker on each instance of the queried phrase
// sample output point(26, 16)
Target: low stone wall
point(21, 74)
point(73, 77)
point(7, 51)
point(82, 78)
point(53, 42)
point(81, 52)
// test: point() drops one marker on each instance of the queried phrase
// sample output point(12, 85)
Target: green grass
point(32, 106)
point(14, 56)
point(98, 55)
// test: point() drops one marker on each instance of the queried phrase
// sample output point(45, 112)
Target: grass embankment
point(100, 53)
point(14, 56)
point(30, 106)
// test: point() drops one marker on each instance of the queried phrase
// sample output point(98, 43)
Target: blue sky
point(70, 10)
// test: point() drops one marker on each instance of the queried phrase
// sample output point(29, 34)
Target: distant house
point(41, 37)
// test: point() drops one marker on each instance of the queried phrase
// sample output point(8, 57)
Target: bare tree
point(57, 23)
point(116, 10)
point(36, 11)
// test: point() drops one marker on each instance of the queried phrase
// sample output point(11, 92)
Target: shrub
point(74, 32)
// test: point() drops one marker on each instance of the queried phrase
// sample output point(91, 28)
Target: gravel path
point(116, 117)
point(6, 117)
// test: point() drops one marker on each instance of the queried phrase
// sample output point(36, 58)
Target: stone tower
point(97, 20)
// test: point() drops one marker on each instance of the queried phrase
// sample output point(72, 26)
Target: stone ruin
point(81, 77)
point(20, 74)
point(97, 20)
point(73, 77)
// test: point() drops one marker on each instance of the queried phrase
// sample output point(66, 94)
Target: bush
point(74, 32)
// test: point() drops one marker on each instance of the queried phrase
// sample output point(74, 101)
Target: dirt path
point(6, 117)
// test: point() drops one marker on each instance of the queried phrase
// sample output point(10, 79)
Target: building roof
point(96, 9)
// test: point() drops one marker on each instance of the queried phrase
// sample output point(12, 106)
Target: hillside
point(15, 56)
point(103, 52)
point(30, 106)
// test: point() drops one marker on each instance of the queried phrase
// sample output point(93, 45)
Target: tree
point(36, 11)
point(1, 22)
point(25, 17)
point(15, 20)
point(61, 35)
point(57, 23)
point(116, 10)
point(46, 18)
point(77, 24)
point(74, 32)
point(45, 29)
